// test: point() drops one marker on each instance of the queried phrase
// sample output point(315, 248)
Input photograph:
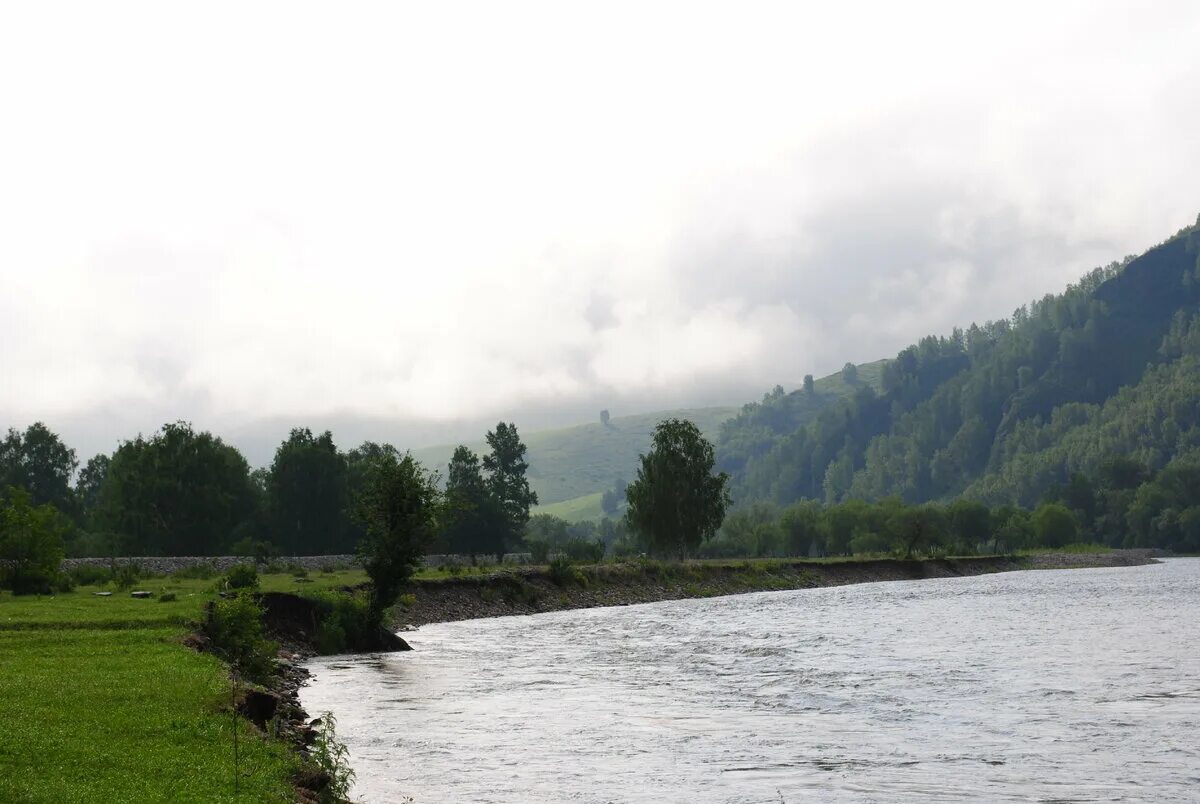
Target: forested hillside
point(1007, 410)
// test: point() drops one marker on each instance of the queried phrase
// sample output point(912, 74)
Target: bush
point(235, 627)
point(539, 551)
point(584, 550)
point(563, 573)
point(167, 597)
point(200, 572)
point(241, 576)
point(31, 543)
point(407, 600)
point(333, 759)
point(347, 622)
point(90, 575)
point(125, 576)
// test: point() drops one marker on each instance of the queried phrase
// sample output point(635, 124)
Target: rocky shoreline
point(530, 591)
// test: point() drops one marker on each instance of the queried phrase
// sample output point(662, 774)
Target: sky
point(406, 219)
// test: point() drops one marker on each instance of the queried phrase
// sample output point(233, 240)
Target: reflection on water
point(1077, 685)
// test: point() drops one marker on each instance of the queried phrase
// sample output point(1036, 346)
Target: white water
point(1072, 685)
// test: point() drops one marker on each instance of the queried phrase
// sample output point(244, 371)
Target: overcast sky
point(436, 212)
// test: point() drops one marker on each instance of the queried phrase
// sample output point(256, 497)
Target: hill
point(1006, 410)
point(585, 460)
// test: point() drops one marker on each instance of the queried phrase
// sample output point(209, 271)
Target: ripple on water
point(1033, 686)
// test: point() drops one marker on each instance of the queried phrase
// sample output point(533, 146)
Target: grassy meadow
point(102, 702)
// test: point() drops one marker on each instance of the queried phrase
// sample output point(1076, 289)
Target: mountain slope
point(950, 412)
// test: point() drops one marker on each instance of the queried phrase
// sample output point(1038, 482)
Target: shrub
point(241, 576)
point(584, 550)
point(167, 597)
point(407, 600)
point(125, 576)
point(333, 759)
point(347, 622)
point(200, 572)
point(454, 569)
point(31, 543)
point(563, 573)
point(539, 551)
point(90, 575)
point(235, 627)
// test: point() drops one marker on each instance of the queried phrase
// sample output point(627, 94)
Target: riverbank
point(541, 589)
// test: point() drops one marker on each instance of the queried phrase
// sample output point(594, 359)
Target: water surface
point(1072, 685)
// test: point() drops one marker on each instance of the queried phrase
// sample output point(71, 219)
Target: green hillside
point(1006, 410)
point(587, 459)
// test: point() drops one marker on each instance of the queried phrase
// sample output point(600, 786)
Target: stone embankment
point(164, 565)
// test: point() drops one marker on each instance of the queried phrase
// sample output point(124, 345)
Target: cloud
point(455, 213)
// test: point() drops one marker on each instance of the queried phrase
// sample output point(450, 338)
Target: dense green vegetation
point(1008, 411)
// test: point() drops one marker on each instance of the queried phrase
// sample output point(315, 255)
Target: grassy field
point(102, 703)
point(585, 460)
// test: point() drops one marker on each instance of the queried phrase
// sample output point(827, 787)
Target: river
point(1068, 685)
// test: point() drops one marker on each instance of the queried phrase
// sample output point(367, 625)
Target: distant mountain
point(1005, 410)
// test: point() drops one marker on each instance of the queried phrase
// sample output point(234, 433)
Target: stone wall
point(162, 565)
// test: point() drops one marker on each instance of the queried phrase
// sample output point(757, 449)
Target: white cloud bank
point(445, 211)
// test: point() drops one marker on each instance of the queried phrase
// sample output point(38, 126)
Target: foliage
point(241, 576)
point(333, 759)
point(399, 510)
point(125, 575)
point(347, 621)
point(563, 572)
point(308, 495)
point(202, 571)
point(234, 626)
point(37, 461)
point(476, 519)
point(31, 543)
point(177, 493)
point(1002, 411)
point(507, 481)
point(677, 502)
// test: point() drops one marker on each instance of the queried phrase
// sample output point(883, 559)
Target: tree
point(476, 522)
point(506, 467)
point(918, 526)
point(399, 511)
point(1054, 525)
point(810, 385)
point(87, 486)
point(31, 543)
point(850, 374)
point(970, 522)
point(308, 496)
point(605, 419)
point(38, 461)
point(801, 525)
point(179, 492)
point(677, 502)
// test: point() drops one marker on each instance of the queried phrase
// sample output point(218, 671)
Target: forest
point(1012, 412)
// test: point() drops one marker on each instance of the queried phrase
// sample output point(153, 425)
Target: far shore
point(535, 589)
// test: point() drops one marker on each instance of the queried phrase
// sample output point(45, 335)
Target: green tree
point(801, 526)
point(88, 485)
point(970, 522)
point(918, 526)
point(1054, 525)
point(810, 385)
point(31, 543)
point(38, 461)
point(308, 497)
point(476, 522)
point(677, 502)
point(506, 467)
point(399, 510)
point(178, 492)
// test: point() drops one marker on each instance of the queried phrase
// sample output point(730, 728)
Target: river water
point(1069, 685)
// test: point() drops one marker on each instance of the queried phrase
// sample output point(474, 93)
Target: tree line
point(186, 492)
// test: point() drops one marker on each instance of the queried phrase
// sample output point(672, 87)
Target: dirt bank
point(528, 591)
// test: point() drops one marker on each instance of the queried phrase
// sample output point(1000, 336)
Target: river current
point(1067, 685)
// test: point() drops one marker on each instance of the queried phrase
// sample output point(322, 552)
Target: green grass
point(577, 509)
point(102, 703)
